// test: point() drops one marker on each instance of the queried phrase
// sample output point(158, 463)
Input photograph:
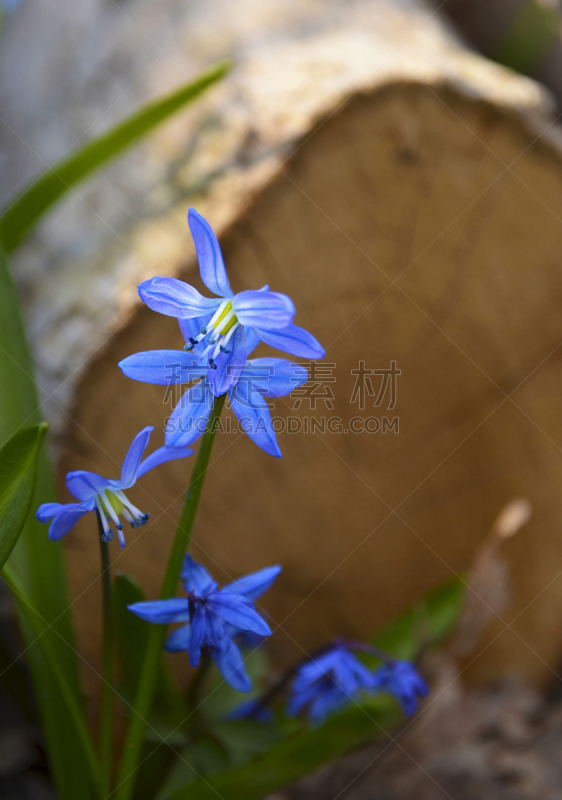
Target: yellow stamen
point(114, 502)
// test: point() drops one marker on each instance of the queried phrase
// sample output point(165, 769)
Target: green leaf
point(64, 693)
point(130, 631)
point(18, 471)
point(38, 563)
point(21, 215)
point(426, 623)
point(295, 756)
point(131, 635)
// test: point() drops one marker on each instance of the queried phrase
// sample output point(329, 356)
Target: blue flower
point(251, 709)
point(221, 331)
point(214, 616)
point(327, 682)
point(260, 378)
point(107, 497)
point(401, 679)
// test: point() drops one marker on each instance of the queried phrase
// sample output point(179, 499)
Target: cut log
point(407, 195)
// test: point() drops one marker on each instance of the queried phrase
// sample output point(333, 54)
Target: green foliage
point(426, 623)
point(82, 745)
point(131, 635)
point(18, 472)
point(37, 564)
point(531, 34)
point(24, 213)
point(294, 756)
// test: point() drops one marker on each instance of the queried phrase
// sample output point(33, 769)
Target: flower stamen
point(217, 333)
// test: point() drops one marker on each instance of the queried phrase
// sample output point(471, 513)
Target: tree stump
point(407, 195)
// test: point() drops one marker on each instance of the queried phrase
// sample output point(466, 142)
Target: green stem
point(145, 690)
point(196, 686)
point(37, 625)
point(106, 689)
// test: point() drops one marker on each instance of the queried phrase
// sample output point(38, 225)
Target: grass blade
point(36, 562)
point(26, 211)
point(18, 472)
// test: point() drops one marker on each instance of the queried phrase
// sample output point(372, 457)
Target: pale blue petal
point(47, 511)
point(252, 340)
point(231, 666)
point(178, 640)
point(253, 585)
point(195, 577)
point(253, 413)
point(198, 634)
point(176, 298)
point(162, 612)
point(162, 367)
point(229, 365)
point(294, 340)
point(275, 377)
point(233, 610)
point(84, 485)
point(211, 264)
point(67, 519)
point(161, 456)
point(133, 458)
point(265, 310)
point(189, 418)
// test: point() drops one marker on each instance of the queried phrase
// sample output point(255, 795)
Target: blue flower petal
point(47, 511)
point(161, 456)
point(325, 704)
point(218, 636)
point(235, 611)
point(195, 577)
point(229, 365)
point(176, 298)
point(198, 634)
point(275, 377)
point(265, 310)
point(163, 367)
point(189, 418)
point(211, 264)
point(84, 485)
point(178, 640)
point(133, 458)
point(162, 612)
point(299, 699)
point(251, 709)
point(67, 518)
point(253, 413)
point(294, 340)
point(252, 340)
point(231, 666)
point(253, 585)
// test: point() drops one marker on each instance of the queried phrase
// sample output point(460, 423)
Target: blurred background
point(395, 166)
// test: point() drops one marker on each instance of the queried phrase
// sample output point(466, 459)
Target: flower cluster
point(220, 335)
point(215, 618)
point(333, 678)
